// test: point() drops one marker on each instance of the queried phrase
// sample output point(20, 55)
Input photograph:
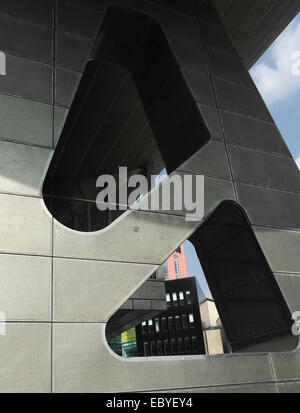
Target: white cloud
point(298, 162)
point(278, 82)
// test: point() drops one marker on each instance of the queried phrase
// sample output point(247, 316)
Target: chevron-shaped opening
point(132, 109)
point(245, 313)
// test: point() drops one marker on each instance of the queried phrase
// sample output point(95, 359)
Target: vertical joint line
point(54, 10)
point(217, 106)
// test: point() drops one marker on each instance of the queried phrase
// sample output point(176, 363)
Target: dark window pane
point(146, 349)
point(167, 347)
point(187, 344)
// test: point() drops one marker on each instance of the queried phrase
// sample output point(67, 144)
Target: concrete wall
point(209, 314)
point(59, 287)
point(213, 342)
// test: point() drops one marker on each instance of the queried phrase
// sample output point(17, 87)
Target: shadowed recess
point(251, 312)
point(252, 308)
point(132, 108)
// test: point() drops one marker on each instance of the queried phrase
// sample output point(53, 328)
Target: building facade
point(175, 266)
point(64, 271)
point(178, 330)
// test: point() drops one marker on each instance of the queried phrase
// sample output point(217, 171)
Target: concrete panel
point(211, 118)
point(184, 36)
point(72, 52)
point(210, 160)
point(94, 5)
point(25, 358)
point(234, 97)
point(25, 226)
point(142, 304)
point(281, 248)
point(253, 133)
point(25, 288)
point(22, 168)
point(25, 121)
point(245, 388)
point(200, 86)
point(71, 19)
point(290, 286)
point(82, 363)
point(216, 191)
point(214, 35)
point(289, 387)
point(260, 168)
point(26, 40)
point(286, 366)
point(79, 288)
point(39, 12)
point(137, 237)
point(60, 116)
point(66, 85)
point(229, 67)
point(27, 79)
point(270, 207)
point(152, 289)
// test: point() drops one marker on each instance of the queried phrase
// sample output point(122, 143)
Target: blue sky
point(280, 88)
point(278, 85)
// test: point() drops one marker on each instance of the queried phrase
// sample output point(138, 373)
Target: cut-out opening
point(132, 109)
point(241, 311)
point(252, 308)
point(175, 328)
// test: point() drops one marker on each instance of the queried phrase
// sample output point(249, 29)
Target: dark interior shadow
point(132, 108)
point(251, 306)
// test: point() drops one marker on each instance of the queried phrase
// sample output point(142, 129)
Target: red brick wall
point(181, 262)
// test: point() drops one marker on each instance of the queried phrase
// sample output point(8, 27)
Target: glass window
point(181, 296)
point(168, 300)
point(177, 323)
point(167, 347)
point(187, 344)
point(180, 346)
point(174, 298)
point(164, 324)
point(191, 318)
point(144, 328)
point(150, 324)
point(153, 348)
point(129, 349)
point(176, 263)
point(159, 348)
point(165, 270)
point(184, 322)
point(173, 346)
point(157, 325)
point(171, 323)
point(194, 344)
point(188, 297)
point(146, 349)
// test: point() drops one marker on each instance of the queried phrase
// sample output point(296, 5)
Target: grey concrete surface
point(57, 328)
